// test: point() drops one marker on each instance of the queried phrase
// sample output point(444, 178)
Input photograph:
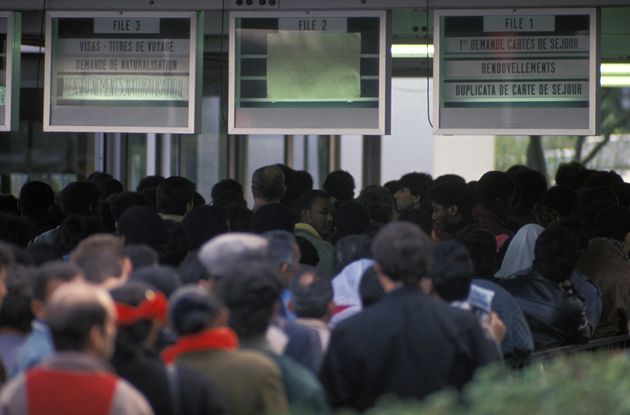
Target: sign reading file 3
point(309, 73)
point(10, 42)
point(530, 72)
point(122, 72)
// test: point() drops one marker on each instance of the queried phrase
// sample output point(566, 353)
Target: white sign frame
point(384, 87)
point(194, 77)
point(440, 128)
point(12, 71)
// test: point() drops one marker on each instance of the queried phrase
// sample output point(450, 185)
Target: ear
point(127, 268)
point(96, 340)
point(386, 282)
point(305, 214)
point(452, 210)
point(223, 318)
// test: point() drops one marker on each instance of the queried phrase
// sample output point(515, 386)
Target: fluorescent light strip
point(412, 51)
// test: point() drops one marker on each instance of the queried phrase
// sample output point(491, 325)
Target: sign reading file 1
point(516, 72)
point(130, 72)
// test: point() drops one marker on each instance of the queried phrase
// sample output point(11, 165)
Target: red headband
point(154, 307)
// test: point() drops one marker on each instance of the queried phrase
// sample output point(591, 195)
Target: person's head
point(141, 225)
point(496, 191)
point(572, 175)
point(226, 186)
point(530, 185)
point(163, 278)
point(452, 202)
point(121, 201)
point(418, 217)
point(351, 218)
point(556, 253)
point(192, 271)
point(102, 259)
point(82, 318)
point(304, 180)
point(47, 279)
point(142, 256)
point(482, 247)
point(414, 187)
point(140, 313)
point(403, 254)
point(204, 223)
point(350, 249)
point(312, 296)
point(379, 203)
point(14, 229)
point(315, 208)
point(273, 216)
point(80, 198)
point(268, 185)
point(603, 178)
point(284, 253)
point(7, 259)
point(612, 222)
point(15, 310)
point(340, 185)
point(174, 196)
point(452, 271)
point(222, 253)
point(35, 199)
point(108, 187)
point(192, 310)
point(370, 289)
point(251, 292)
point(148, 187)
point(557, 203)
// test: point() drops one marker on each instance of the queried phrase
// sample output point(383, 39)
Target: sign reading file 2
point(122, 72)
point(528, 72)
point(309, 73)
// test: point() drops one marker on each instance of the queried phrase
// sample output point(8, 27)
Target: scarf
point(222, 338)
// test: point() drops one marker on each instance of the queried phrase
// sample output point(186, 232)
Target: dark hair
point(531, 185)
point(204, 223)
point(273, 216)
point(378, 202)
point(239, 217)
point(9, 205)
point(572, 175)
point(403, 251)
point(393, 186)
point(191, 270)
point(304, 180)
point(351, 218)
point(119, 202)
point(176, 243)
point(622, 191)
point(108, 187)
point(556, 253)
point(14, 229)
point(70, 322)
point(148, 187)
point(15, 311)
point(562, 199)
point(163, 278)
point(448, 177)
point(453, 193)
point(251, 292)
point(349, 249)
point(603, 178)
point(312, 294)
point(141, 255)
point(100, 257)
point(452, 271)
point(370, 288)
point(308, 198)
point(418, 217)
point(141, 225)
point(98, 176)
point(494, 185)
point(79, 198)
point(612, 222)
point(173, 195)
point(268, 183)
point(417, 183)
point(35, 198)
point(482, 247)
point(76, 228)
point(56, 270)
point(308, 253)
point(340, 185)
point(192, 309)
point(224, 186)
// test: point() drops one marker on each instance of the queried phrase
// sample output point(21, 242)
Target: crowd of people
point(156, 301)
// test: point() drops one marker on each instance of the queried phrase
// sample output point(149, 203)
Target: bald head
point(268, 185)
point(81, 318)
point(223, 252)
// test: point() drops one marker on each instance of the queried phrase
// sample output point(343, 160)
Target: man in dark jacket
point(408, 344)
point(555, 314)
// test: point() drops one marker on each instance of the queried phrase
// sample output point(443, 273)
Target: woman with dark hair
point(169, 389)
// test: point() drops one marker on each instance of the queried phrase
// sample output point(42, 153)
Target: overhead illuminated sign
point(122, 72)
point(10, 42)
point(528, 71)
point(309, 73)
